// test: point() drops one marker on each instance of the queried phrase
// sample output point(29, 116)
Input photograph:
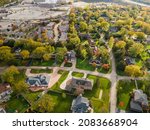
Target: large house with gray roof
point(81, 105)
point(74, 83)
point(38, 81)
point(139, 102)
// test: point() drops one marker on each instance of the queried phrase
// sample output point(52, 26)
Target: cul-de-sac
point(71, 56)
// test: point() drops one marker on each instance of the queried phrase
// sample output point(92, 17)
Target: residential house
point(129, 61)
point(39, 81)
point(96, 61)
point(148, 39)
point(75, 83)
point(70, 56)
point(81, 105)
point(139, 102)
point(5, 91)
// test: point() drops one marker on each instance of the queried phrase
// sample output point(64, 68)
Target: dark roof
point(2, 110)
point(80, 105)
point(4, 87)
point(39, 80)
point(75, 83)
point(135, 107)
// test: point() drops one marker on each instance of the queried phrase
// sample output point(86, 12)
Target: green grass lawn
point(56, 86)
point(19, 104)
point(32, 96)
point(36, 71)
point(44, 63)
point(77, 74)
point(62, 105)
point(84, 65)
point(99, 105)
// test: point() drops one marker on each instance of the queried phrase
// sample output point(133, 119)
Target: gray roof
point(40, 80)
point(80, 105)
point(136, 107)
point(75, 83)
point(140, 97)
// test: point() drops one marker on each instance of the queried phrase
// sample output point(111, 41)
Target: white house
point(5, 91)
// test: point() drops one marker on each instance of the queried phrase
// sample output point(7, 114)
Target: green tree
point(83, 26)
point(44, 104)
point(105, 26)
point(9, 75)
point(136, 49)
point(39, 52)
point(46, 57)
point(20, 87)
point(84, 53)
point(111, 42)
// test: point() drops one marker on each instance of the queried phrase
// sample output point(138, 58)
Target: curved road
point(136, 3)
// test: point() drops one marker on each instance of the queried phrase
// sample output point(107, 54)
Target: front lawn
point(84, 65)
point(37, 71)
point(62, 105)
point(32, 96)
point(16, 105)
point(77, 74)
point(100, 84)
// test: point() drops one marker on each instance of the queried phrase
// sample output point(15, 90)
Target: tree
point(1, 42)
point(120, 44)
point(5, 54)
point(60, 53)
point(84, 53)
point(44, 104)
point(20, 87)
point(111, 42)
point(39, 52)
point(136, 49)
point(105, 26)
point(83, 26)
point(46, 57)
point(25, 54)
point(9, 74)
point(140, 35)
point(133, 70)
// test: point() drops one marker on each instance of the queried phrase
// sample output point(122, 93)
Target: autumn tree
point(46, 57)
point(5, 54)
point(25, 54)
point(133, 70)
point(120, 44)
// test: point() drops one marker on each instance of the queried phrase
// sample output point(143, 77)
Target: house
point(38, 81)
point(139, 102)
point(2, 110)
point(63, 37)
point(113, 29)
point(75, 83)
point(70, 56)
point(96, 61)
point(81, 105)
point(5, 91)
point(129, 61)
